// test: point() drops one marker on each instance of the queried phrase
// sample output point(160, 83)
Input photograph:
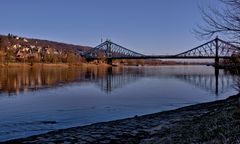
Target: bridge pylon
point(109, 61)
point(216, 53)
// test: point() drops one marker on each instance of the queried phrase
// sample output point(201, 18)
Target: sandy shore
point(213, 122)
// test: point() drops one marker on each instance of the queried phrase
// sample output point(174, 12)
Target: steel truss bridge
point(214, 49)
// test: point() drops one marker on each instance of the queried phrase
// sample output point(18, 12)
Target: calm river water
point(34, 101)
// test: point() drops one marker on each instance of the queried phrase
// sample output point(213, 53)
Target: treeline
point(151, 62)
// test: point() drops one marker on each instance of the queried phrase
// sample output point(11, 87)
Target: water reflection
point(214, 81)
point(16, 80)
point(69, 97)
point(211, 82)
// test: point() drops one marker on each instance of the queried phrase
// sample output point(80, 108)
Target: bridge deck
point(167, 57)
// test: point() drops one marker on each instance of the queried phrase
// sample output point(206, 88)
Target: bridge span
point(215, 49)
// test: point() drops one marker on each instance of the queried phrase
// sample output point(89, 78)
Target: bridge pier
point(109, 80)
point(217, 62)
point(216, 80)
point(109, 61)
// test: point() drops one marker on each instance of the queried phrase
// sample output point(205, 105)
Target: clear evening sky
point(146, 26)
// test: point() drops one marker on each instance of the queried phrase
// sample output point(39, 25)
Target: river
point(35, 101)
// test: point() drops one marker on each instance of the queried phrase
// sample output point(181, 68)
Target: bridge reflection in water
point(16, 80)
point(213, 81)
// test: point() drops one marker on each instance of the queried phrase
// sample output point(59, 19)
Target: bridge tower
point(216, 65)
point(216, 53)
point(108, 52)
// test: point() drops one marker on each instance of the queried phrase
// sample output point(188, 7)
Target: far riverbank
point(212, 122)
point(67, 65)
point(59, 65)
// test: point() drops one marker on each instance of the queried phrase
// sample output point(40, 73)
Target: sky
point(146, 26)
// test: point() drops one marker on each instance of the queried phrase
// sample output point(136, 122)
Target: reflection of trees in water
point(236, 78)
point(15, 80)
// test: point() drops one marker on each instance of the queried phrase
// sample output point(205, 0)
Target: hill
point(20, 49)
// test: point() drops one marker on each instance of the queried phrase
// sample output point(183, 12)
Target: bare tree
point(224, 21)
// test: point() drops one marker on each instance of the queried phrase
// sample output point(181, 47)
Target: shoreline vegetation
point(67, 65)
point(59, 65)
point(211, 122)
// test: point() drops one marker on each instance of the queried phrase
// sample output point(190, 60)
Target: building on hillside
point(25, 40)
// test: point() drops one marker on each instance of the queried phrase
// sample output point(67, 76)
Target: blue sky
point(146, 26)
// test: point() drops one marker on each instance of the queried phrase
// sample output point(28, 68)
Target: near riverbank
point(213, 122)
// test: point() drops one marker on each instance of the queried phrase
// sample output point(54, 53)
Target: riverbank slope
point(213, 122)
